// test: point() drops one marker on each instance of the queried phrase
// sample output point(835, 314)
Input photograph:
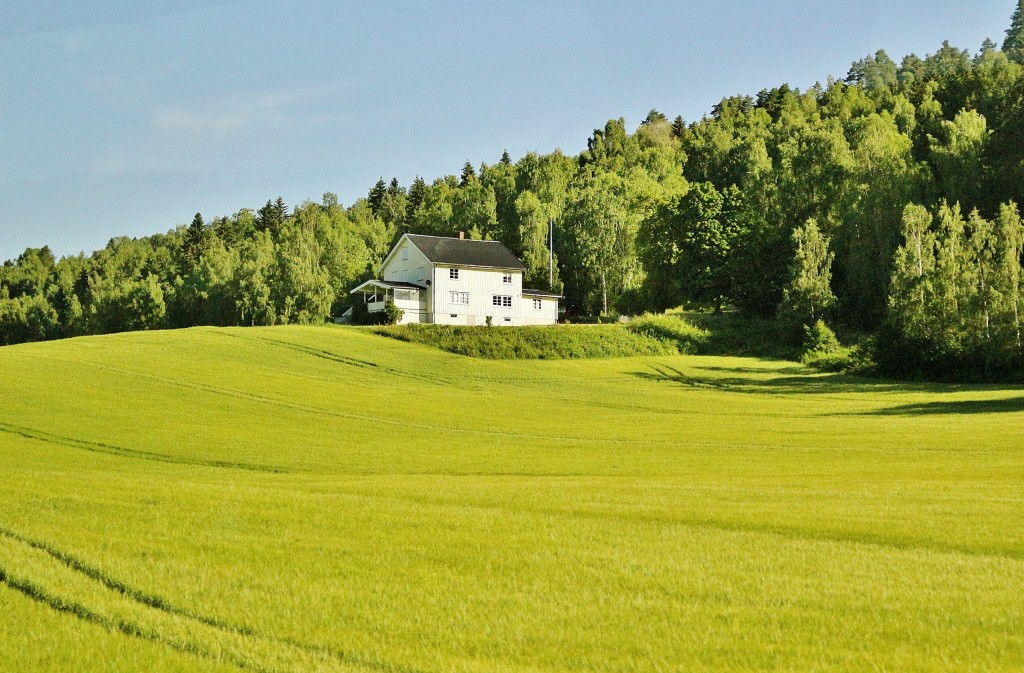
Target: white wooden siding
point(482, 285)
point(547, 314)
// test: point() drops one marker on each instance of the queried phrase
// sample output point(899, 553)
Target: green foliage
point(687, 247)
point(1013, 44)
point(686, 337)
point(955, 302)
point(558, 342)
point(392, 314)
point(809, 293)
point(389, 316)
point(822, 350)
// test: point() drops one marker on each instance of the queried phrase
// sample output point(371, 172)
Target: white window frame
point(405, 253)
point(503, 300)
point(453, 274)
point(538, 304)
point(461, 298)
point(506, 277)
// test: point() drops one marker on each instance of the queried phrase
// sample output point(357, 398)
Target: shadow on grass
point(1009, 405)
point(784, 381)
point(797, 380)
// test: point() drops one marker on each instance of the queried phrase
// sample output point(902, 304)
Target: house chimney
point(462, 235)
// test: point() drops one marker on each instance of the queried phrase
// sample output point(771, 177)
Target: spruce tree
point(468, 174)
point(376, 195)
point(417, 192)
point(1013, 45)
point(194, 244)
point(678, 126)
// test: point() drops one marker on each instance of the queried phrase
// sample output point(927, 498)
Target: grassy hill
point(294, 499)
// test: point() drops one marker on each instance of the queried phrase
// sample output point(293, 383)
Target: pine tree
point(505, 158)
point(1013, 45)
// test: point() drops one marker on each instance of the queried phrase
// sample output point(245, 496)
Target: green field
point(324, 499)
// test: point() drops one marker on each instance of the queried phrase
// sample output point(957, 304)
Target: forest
point(885, 202)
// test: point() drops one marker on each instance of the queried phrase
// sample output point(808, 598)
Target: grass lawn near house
point(322, 498)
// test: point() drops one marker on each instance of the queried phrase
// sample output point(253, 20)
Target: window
point(501, 300)
point(453, 274)
point(537, 304)
point(422, 276)
point(405, 253)
point(458, 297)
point(506, 278)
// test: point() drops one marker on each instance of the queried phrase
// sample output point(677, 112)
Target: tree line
point(885, 201)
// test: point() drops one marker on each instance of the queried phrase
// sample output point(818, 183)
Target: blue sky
point(126, 117)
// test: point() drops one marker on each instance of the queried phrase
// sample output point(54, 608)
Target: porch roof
point(386, 285)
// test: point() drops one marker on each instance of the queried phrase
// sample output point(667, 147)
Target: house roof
point(540, 293)
point(464, 252)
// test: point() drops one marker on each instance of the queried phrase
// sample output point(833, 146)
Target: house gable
point(406, 263)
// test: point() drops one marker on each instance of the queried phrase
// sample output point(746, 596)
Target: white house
point(456, 281)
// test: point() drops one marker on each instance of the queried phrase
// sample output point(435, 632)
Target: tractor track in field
point(114, 450)
point(348, 415)
point(341, 359)
point(787, 532)
point(81, 611)
point(380, 420)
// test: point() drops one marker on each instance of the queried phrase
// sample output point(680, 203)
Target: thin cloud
point(232, 117)
point(200, 123)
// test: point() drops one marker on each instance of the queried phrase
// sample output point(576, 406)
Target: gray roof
point(460, 252)
point(541, 293)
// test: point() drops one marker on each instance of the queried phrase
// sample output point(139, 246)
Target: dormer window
point(453, 274)
point(506, 278)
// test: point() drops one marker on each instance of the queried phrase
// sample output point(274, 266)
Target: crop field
point(325, 499)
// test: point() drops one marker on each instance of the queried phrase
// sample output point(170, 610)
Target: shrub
point(392, 314)
point(389, 316)
point(556, 342)
point(685, 337)
point(822, 350)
